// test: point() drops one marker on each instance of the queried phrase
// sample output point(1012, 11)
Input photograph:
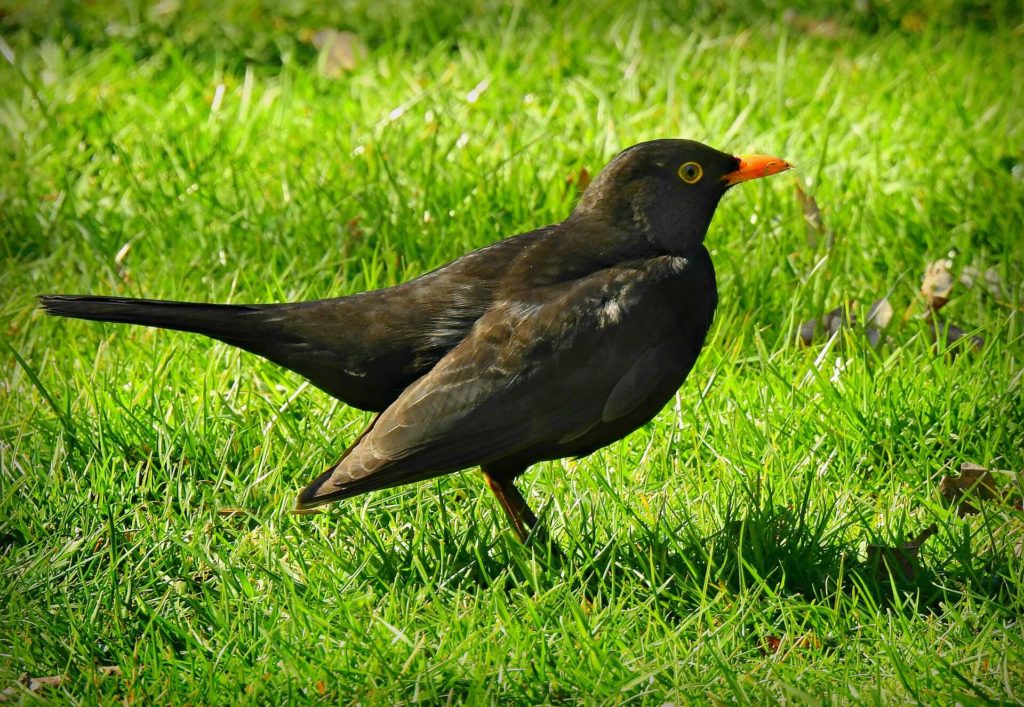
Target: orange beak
point(755, 167)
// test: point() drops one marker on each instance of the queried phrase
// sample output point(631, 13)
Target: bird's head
point(668, 189)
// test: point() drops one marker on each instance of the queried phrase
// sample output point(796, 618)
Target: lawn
point(728, 550)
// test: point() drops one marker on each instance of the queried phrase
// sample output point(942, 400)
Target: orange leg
point(522, 518)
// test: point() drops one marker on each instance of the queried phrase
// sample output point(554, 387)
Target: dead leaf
point(808, 640)
point(834, 319)
point(340, 52)
point(900, 562)
point(581, 180)
point(355, 234)
point(122, 253)
point(355, 231)
point(770, 644)
point(969, 275)
point(774, 644)
point(893, 562)
point(830, 323)
point(29, 684)
point(974, 480)
point(994, 282)
point(990, 280)
point(806, 331)
point(937, 283)
point(951, 333)
point(880, 314)
point(878, 318)
point(231, 511)
point(919, 539)
point(813, 221)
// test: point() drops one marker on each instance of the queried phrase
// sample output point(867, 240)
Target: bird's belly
point(604, 433)
point(663, 381)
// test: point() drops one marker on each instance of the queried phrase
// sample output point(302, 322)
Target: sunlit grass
point(719, 551)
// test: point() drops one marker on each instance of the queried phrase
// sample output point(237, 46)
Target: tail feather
point(300, 337)
point(216, 320)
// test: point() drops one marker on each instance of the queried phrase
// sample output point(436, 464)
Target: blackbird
point(548, 344)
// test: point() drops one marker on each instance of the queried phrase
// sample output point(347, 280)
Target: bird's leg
point(524, 522)
point(522, 518)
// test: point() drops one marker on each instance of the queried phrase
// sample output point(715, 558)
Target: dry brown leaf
point(30, 684)
point(122, 253)
point(355, 234)
point(994, 282)
point(951, 333)
point(975, 481)
point(878, 318)
point(830, 323)
point(813, 221)
point(899, 562)
point(888, 561)
point(937, 283)
point(774, 644)
point(990, 280)
point(808, 640)
point(969, 275)
point(340, 52)
point(231, 511)
point(880, 314)
point(834, 319)
point(806, 331)
point(770, 644)
point(355, 231)
point(581, 180)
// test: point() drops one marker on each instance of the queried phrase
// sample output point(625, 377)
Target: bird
point(544, 345)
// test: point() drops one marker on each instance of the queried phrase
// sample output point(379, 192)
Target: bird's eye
point(691, 172)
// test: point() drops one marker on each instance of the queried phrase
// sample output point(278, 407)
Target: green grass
point(720, 551)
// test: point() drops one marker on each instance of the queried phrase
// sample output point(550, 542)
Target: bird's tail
point(228, 322)
point(294, 335)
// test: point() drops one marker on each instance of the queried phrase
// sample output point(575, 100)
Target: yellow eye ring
point(691, 172)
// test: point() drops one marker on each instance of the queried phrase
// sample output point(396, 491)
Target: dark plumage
point(549, 344)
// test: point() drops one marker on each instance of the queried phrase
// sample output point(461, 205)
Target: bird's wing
point(530, 373)
point(365, 349)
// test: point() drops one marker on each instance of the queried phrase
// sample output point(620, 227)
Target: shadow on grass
point(754, 549)
point(776, 550)
point(771, 547)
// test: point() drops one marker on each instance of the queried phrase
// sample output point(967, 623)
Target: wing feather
point(530, 372)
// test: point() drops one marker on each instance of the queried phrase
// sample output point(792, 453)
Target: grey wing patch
point(637, 385)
